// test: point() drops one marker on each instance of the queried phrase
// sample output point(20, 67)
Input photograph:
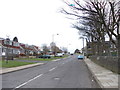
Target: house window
point(15, 44)
point(7, 42)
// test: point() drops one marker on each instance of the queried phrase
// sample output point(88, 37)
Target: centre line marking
point(28, 81)
point(53, 68)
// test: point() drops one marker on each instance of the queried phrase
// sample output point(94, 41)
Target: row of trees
point(97, 19)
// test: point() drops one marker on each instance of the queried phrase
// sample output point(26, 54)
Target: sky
point(34, 22)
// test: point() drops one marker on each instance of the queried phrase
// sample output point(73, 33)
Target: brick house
point(25, 50)
point(29, 50)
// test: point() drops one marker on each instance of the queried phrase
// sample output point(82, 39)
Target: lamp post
point(83, 44)
point(68, 47)
point(53, 37)
point(54, 46)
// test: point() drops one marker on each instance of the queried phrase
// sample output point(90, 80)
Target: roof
point(2, 38)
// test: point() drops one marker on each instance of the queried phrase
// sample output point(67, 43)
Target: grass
point(43, 59)
point(13, 63)
point(36, 59)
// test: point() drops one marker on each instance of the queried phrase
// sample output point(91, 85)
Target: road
point(63, 73)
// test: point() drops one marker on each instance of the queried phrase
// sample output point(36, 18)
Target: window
point(7, 42)
point(15, 44)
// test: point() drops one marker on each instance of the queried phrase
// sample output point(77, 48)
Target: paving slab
point(104, 77)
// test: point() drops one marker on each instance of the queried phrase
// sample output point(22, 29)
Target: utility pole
point(7, 43)
point(7, 49)
point(118, 44)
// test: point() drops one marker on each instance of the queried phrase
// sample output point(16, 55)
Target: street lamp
point(53, 37)
point(68, 47)
point(83, 44)
point(53, 44)
point(83, 51)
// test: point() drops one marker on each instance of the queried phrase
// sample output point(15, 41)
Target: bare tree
point(64, 49)
point(96, 19)
point(45, 49)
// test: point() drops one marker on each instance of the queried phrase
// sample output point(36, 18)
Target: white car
point(59, 55)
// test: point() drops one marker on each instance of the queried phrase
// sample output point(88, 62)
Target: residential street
point(64, 73)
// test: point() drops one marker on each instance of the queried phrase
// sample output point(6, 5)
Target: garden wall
point(109, 62)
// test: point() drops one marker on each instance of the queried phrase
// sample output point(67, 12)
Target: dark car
point(44, 56)
point(71, 54)
point(80, 57)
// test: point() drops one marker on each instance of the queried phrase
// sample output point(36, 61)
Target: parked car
point(44, 56)
point(80, 57)
point(71, 54)
point(59, 55)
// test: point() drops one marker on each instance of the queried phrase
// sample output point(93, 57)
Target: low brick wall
point(0, 58)
point(9, 58)
point(27, 56)
point(32, 56)
point(109, 62)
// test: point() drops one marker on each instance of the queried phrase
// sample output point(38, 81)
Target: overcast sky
point(35, 21)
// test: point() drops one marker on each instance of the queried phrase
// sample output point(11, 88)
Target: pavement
point(104, 77)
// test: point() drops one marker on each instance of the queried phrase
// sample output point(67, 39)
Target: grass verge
point(12, 63)
point(43, 59)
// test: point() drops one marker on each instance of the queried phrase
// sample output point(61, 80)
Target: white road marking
point(53, 68)
point(63, 63)
point(28, 81)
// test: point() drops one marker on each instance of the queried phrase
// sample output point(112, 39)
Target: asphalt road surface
point(63, 73)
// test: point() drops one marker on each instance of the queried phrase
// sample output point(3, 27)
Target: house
point(36, 50)
point(10, 49)
point(29, 50)
point(25, 50)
